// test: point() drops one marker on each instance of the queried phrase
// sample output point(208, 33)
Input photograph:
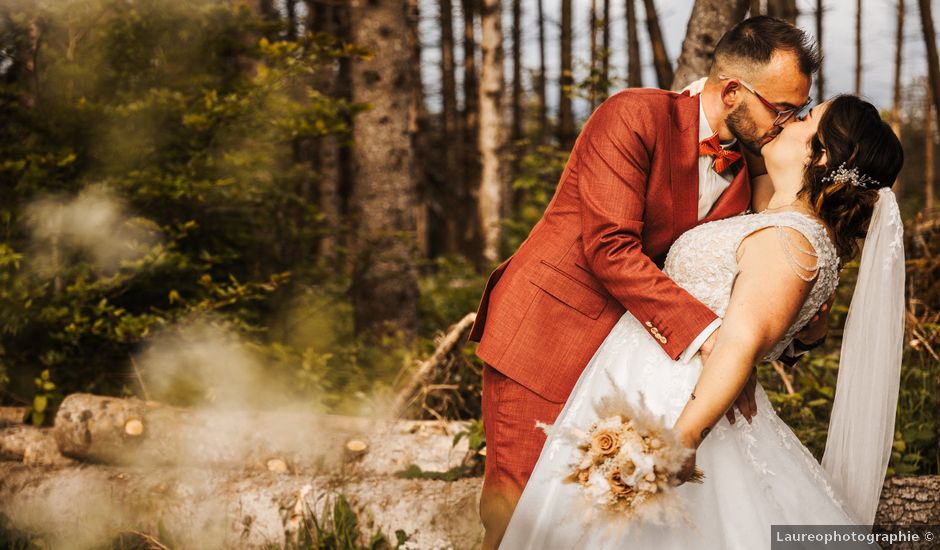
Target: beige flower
point(617, 487)
point(605, 443)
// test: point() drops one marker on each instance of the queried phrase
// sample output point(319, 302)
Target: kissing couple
point(691, 236)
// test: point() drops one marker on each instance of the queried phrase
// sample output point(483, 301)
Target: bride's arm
point(767, 296)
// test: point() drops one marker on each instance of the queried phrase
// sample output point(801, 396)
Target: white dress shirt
point(711, 185)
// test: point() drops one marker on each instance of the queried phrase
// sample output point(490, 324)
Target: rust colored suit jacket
point(628, 190)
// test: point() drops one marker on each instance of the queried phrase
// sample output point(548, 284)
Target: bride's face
point(792, 145)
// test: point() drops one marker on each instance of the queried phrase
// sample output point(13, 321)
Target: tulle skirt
point(756, 474)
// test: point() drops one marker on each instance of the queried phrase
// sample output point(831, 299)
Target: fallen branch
point(427, 367)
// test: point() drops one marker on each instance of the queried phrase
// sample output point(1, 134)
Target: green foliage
point(183, 119)
point(339, 529)
point(807, 410)
point(540, 168)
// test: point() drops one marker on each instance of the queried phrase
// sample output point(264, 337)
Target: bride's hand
point(688, 469)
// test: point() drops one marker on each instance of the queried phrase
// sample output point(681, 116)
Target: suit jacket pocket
point(568, 290)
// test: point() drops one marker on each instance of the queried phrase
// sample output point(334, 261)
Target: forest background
point(267, 201)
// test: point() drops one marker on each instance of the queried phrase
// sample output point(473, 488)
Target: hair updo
point(851, 132)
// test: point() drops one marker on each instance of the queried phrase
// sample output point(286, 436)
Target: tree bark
point(909, 500)
point(664, 74)
point(492, 177)
point(566, 131)
point(783, 9)
point(755, 8)
point(929, 115)
point(542, 81)
point(709, 21)
point(634, 69)
point(821, 75)
point(930, 40)
point(291, 8)
point(592, 89)
point(858, 47)
point(605, 52)
point(418, 127)
point(470, 160)
point(515, 135)
point(384, 286)
point(452, 140)
point(896, 102)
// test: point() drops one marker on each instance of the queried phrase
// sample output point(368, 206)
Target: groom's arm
point(613, 166)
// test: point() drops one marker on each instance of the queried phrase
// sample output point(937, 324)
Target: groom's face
point(782, 85)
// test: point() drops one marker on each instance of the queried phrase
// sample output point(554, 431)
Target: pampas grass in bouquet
point(628, 462)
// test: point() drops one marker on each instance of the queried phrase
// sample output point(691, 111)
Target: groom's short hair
point(752, 43)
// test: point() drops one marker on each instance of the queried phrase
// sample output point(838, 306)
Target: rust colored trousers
point(513, 445)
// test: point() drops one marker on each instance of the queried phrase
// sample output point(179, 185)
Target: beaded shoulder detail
point(703, 261)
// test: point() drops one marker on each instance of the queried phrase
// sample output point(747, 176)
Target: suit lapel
point(684, 163)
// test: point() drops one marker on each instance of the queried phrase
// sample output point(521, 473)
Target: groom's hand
point(746, 402)
point(707, 345)
point(818, 326)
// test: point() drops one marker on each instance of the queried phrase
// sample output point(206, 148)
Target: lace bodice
point(703, 262)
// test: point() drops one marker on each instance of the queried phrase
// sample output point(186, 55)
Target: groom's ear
point(731, 92)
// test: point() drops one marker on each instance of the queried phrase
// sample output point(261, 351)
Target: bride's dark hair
point(851, 132)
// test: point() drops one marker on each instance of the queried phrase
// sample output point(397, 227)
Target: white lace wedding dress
point(757, 474)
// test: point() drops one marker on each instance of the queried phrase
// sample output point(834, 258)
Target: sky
point(838, 43)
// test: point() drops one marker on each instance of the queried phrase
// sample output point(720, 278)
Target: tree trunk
point(821, 75)
point(709, 21)
point(291, 7)
point(542, 83)
point(605, 53)
point(592, 79)
point(566, 130)
point(516, 131)
point(928, 147)
point(783, 9)
point(418, 127)
point(896, 103)
point(470, 161)
point(664, 74)
point(492, 180)
point(930, 40)
point(384, 286)
point(634, 69)
point(332, 160)
point(449, 127)
point(858, 47)
point(755, 8)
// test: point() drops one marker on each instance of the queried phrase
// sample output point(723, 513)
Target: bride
point(765, 274)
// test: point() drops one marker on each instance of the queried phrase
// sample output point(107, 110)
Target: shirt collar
point(705, 130)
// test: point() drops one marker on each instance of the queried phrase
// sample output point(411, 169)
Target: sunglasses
point(783, 116)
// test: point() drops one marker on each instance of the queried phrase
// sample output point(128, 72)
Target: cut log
point(10, 416)
point(910, 500)
point(86, 506)
point(108, 430)
point(30, 445)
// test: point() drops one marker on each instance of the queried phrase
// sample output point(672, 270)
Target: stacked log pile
point(229, 479)
point(236, 479)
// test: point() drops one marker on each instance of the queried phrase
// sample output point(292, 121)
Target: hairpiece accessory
point(850, 175)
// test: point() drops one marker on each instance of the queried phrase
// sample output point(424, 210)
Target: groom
point(648, 166)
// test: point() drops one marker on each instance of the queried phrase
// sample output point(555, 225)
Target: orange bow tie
point(724, 158)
